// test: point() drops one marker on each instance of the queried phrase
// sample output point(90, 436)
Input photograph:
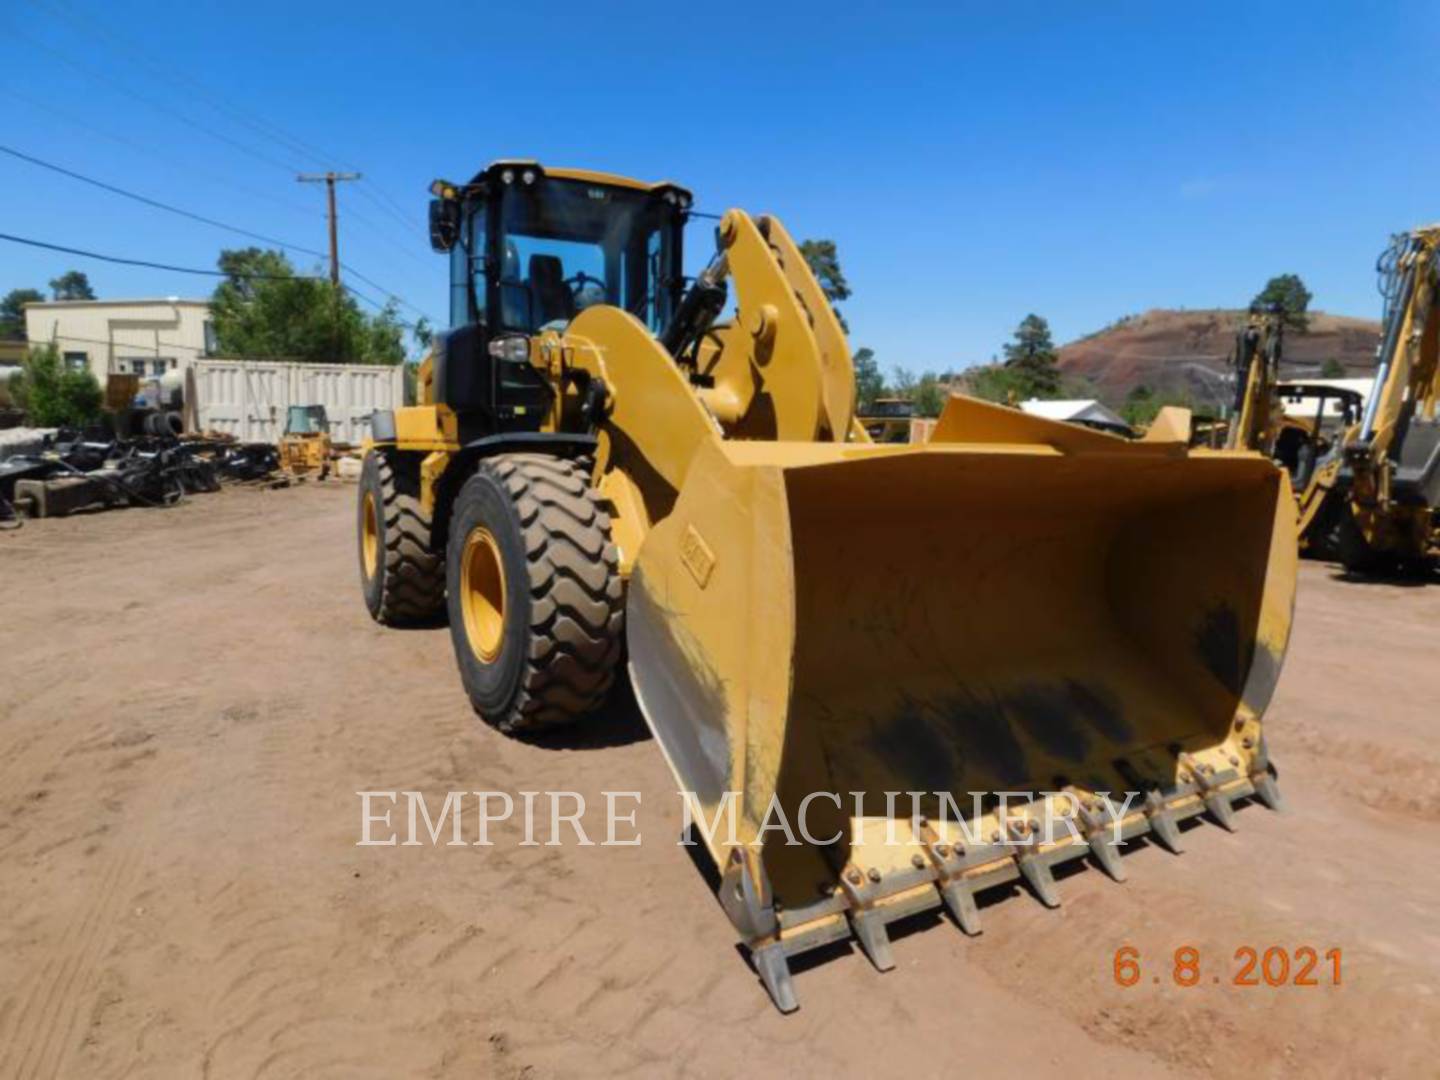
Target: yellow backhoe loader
point(1079, 629)
point(305, 445)
point(1263, 420)
point(1381, 485)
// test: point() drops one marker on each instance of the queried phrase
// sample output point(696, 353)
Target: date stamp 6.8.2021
point(1250, 965)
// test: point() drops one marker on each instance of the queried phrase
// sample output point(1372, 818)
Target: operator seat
point(553, 299)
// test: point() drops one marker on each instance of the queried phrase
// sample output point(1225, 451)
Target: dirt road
point(192, 698)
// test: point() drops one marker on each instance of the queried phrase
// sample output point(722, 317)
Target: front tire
point(403, 580)
point(534, 592)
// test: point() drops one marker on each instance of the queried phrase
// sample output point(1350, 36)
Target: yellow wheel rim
point(482, 594)
point(370, 537)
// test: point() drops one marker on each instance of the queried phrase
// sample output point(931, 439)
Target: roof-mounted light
point(528, 176)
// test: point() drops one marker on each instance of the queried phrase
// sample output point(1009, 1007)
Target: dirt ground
point(193, 697)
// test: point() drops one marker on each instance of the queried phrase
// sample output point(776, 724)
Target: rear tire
point(534, 592)
point(402, 578)
point(1348, 542)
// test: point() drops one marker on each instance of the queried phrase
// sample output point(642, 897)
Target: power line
point(157, 106)
point(172, 268)
point(125, 261)
point(152, 152)
point(365, 189)
point(165, 70)
point(157, 204)
point(385, 231)
point(381, 234)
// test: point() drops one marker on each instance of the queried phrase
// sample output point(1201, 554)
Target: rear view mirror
point(444, 223)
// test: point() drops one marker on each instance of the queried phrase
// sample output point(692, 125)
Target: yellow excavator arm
point(1386, 473)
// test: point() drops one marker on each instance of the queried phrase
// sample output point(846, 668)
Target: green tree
point(824, 262)
point(424, 333)
point(1332, 369)
point(263, 308)
point(12, 311)
point(1142, 405)
point(928, 395)
point(71, 285)
point(995, 382)
point(1033, 359)
point(53, 396)
point(869, 383)
point(1287, 292)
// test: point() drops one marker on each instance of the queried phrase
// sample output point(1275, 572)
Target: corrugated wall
point(248, 398)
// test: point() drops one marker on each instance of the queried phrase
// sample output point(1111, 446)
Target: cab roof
point(588, 176)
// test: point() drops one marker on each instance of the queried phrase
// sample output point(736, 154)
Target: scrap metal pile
point(71, 473)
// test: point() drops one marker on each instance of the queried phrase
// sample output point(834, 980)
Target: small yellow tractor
point(305, 446)
point(605, 478)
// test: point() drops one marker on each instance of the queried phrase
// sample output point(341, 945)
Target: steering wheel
point(578, 280)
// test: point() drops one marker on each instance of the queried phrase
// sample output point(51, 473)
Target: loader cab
point(530, 249)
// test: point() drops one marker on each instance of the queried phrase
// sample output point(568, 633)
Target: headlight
point(528, 176)
point(514, 348)
point(508, 176)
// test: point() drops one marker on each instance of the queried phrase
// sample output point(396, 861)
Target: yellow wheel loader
point(879, 673)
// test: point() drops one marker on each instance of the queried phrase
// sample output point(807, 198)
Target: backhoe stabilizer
point(1083, 630)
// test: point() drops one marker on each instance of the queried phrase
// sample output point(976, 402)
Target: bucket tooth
point(774, 970)
point(960, 901)
point(1221, 810)
point(747, 898)
point(1266, 790)
point(949, 865)
point(873, 937)
point(1162, 824)
point(1263, 780)
point(1038, 876)
point(1033, 869)
point(1095, 821)
point(1106, 856)
point(1215, 800)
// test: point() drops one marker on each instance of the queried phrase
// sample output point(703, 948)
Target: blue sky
point(973, 162)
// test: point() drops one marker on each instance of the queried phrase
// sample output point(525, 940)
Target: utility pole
point(329, 178)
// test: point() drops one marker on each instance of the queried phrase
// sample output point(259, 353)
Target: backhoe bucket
point(888, 677)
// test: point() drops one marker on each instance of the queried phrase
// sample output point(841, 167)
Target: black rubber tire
point(563, 623)
point(408, 585)
point(1350, 546)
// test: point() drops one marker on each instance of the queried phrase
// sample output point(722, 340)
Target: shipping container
point(248, 398)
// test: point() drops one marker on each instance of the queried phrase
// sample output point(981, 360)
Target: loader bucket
point(1022, 623)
